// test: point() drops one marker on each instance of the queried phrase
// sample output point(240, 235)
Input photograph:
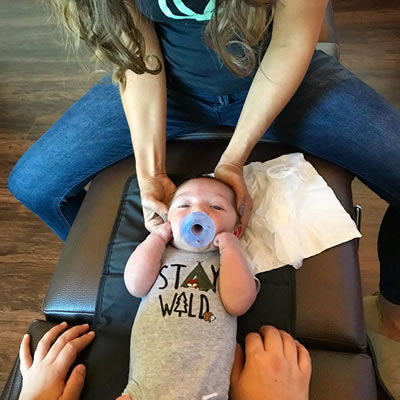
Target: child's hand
point(225, 240)
point(164, 231)
point(44, 376)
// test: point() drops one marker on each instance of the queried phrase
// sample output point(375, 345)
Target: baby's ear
point(238, 230)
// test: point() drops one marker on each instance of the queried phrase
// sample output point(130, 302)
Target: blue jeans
point(333, 115)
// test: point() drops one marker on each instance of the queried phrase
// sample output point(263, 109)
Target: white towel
point(295, 214)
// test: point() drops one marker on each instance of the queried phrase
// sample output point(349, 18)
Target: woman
point(220, 62)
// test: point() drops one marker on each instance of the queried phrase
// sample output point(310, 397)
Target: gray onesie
point(183, 340)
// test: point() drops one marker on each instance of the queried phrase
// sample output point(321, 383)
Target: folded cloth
point(295, 214)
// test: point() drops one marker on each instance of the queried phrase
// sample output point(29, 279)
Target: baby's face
point(203, 195)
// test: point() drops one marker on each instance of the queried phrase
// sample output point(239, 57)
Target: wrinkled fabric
point(295, 214)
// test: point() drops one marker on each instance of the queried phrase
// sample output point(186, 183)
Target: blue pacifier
point(197, 229)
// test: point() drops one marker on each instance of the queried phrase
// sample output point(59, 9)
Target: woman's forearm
point(284, 68)
point(296, 28)
point(145, 104)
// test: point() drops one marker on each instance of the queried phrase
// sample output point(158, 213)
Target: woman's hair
point(109, 30)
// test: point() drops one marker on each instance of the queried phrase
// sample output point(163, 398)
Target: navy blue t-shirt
point(189, 62)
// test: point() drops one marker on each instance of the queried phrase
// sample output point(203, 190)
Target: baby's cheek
point(175, 226)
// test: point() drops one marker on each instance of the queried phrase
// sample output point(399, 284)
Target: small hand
point(277, 367)
point(232, 174)
point(156, 192)
point(224, 240)
point(164, 231)
point(44, 377)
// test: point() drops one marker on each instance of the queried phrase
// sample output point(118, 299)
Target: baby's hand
point(164, 231)
point(225, 240)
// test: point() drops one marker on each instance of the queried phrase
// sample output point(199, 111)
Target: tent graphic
point(199, 276)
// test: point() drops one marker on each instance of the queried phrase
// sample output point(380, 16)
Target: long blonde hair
point(108, 29)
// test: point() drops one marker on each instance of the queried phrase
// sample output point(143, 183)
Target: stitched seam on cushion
point(57, 311)
point(99, 300)
point(17, 368)
point(334, 342)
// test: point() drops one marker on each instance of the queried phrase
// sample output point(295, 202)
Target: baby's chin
point(180, 244)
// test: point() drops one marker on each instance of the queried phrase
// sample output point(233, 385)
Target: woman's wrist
point(238, 149)
point(150, 170)
point(144, 176)
point(230, 160)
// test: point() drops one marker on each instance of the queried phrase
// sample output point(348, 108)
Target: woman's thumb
point(74, 385)
point(237, 365)
point(158, 207)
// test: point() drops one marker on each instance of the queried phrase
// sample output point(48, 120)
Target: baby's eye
point(183, 206)
point(217, 207)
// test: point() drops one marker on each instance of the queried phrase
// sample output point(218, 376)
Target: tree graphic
point(181, 308)
point(198, 274)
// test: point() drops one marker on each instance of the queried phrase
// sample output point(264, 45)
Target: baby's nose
point(200, 208)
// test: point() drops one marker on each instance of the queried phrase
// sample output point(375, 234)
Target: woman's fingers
point(64, 340)
point(155, 193)
point(289, 347)
point(74, 385)
point(272, 339)
point(154, 212)
point(70, 351)
point(244, 212)
point(304, 359)
point(232, 174)
point(253, 344)
point(46, 341)
point(238, 364)
point(25, 355)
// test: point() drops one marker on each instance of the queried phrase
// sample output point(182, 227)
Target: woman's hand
point(44, 378)
point(277, 367)
point(156, 192)
point(232, 174)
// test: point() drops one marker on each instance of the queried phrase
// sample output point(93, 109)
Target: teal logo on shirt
point(189, 13)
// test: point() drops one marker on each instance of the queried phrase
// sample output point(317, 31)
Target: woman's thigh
point(336, 116)
point(88, 137)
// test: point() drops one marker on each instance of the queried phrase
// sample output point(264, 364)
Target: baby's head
point(210, 196)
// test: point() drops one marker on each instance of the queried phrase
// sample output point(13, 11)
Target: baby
point(184, 336)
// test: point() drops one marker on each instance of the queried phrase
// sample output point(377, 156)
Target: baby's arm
point(236, 284)
point(144, 263)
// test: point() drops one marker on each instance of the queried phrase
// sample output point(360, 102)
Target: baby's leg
point(124, 397)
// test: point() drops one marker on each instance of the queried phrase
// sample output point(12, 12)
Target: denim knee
point(27, 186)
